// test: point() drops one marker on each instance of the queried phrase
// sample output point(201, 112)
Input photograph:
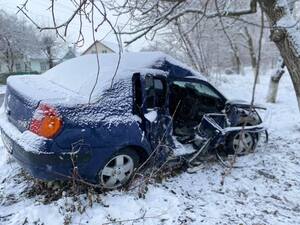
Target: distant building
point(71, 53)
point(102, 47)
point(36, 63)
point(33, 63)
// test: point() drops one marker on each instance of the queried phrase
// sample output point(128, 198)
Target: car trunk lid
point(24, 94)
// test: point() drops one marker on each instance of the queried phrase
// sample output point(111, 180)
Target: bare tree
point(192, 43)
point(276, 77)
point(285, 34)
point(251, 49)
point(154, 15)
point(50, 46)
point(204, 46)
point(150, 16)
point(274, 82)
point(17, 39)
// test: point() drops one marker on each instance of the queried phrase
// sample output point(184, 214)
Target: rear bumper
point(38, 161)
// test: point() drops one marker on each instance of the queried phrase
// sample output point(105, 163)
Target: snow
point(79, 74)
point(35, 88)
point(265, 190)
point(151, 116)
point(112, 108)
point(72, 82)
point(181, 149)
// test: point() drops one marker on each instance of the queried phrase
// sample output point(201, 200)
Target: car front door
point(155, 113)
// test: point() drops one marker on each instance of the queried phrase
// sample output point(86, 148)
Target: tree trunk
point(12, 61)
point(286, 36)
point(237, 61)
point(274, 83)
point(9, 57)
point(50, 57)
point(251, 52)
point(9, 61)
point(238, 64)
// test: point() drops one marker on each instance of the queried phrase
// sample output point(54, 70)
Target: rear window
point(79, 75)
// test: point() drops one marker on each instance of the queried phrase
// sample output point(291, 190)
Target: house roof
point(111, 45)
point(69, 54)
point(114, 47)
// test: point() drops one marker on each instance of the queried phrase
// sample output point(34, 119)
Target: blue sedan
point(101, 121)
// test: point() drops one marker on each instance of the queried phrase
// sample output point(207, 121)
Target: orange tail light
point(46, 121)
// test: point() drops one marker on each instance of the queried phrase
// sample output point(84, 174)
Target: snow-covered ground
point(266, 190)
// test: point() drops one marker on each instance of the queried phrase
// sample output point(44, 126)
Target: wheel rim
point(242, 143)
point(117, 171)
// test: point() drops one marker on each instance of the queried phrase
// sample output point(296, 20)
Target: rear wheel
point(119, 169)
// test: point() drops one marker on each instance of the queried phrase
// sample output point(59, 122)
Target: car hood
point(244, 104)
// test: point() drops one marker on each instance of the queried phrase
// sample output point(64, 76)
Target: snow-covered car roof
point(79, 74)
point(72, 81)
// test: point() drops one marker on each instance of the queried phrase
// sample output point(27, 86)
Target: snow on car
point(107, 127)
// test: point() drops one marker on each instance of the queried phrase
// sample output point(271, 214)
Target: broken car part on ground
point(51, 127)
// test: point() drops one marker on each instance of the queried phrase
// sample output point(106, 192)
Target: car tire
point(241, 143)
point(119, 169)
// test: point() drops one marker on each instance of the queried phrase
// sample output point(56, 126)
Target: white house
point(102, 47)
point(37, 63)
point(34, 63)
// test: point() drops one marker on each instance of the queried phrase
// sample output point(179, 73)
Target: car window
point(201, 89)
point(158, 85)
point(155, 92)
point(204, 89)
point(148, 83)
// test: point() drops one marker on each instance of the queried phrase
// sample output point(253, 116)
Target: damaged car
point(102, 120)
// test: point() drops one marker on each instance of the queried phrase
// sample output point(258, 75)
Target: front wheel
point(241, 143)
point(119, 169)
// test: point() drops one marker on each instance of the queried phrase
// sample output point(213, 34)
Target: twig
point(97, 56)
point(258, 57)
point(143, 217)
point(228, 170)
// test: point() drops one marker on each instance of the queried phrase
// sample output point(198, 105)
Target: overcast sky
point(38, 11)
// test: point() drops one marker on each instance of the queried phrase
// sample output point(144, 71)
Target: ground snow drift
point(266, 190)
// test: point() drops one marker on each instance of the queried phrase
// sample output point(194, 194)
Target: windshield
point(200, 88)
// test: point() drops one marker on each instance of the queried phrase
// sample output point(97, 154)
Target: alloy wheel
point(243, 143)
point(117, 171)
